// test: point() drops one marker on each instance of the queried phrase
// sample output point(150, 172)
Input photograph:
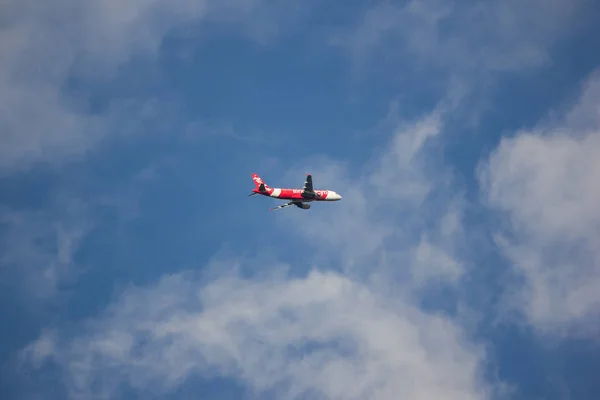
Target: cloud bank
point(322, 336)
point(545, 183)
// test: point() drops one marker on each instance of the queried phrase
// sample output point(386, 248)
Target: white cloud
point(39, 247)
point(545, 183)
point(38, 351)
point(322, 335)
point(400, 219)
point(44, 44)
point(477, 36)
point(39, 244)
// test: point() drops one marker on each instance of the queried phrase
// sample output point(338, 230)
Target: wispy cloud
point(322, 336)
point(401, 218)
point(45, 45)
point(466, 38)
point(39, 247)
point(544, 182)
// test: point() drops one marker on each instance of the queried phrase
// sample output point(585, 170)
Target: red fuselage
point(296, 194)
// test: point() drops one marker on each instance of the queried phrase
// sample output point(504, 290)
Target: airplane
point(299, 197)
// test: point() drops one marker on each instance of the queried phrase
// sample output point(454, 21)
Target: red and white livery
point(298, 197)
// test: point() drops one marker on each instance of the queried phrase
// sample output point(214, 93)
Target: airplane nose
point(333, 196)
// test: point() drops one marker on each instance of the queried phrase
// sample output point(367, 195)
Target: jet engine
point(304, 206)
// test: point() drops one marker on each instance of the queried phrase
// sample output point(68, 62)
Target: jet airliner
point(299, 197)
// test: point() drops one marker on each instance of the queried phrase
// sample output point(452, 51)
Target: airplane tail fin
point(260, 185)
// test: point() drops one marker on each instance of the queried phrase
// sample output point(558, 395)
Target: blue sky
point(462, 262)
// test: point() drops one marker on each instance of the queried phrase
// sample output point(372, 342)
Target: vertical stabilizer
point(261, 186)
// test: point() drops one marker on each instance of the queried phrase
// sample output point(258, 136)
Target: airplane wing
point(308, 184)
point(291, 203)
point(309, 191)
